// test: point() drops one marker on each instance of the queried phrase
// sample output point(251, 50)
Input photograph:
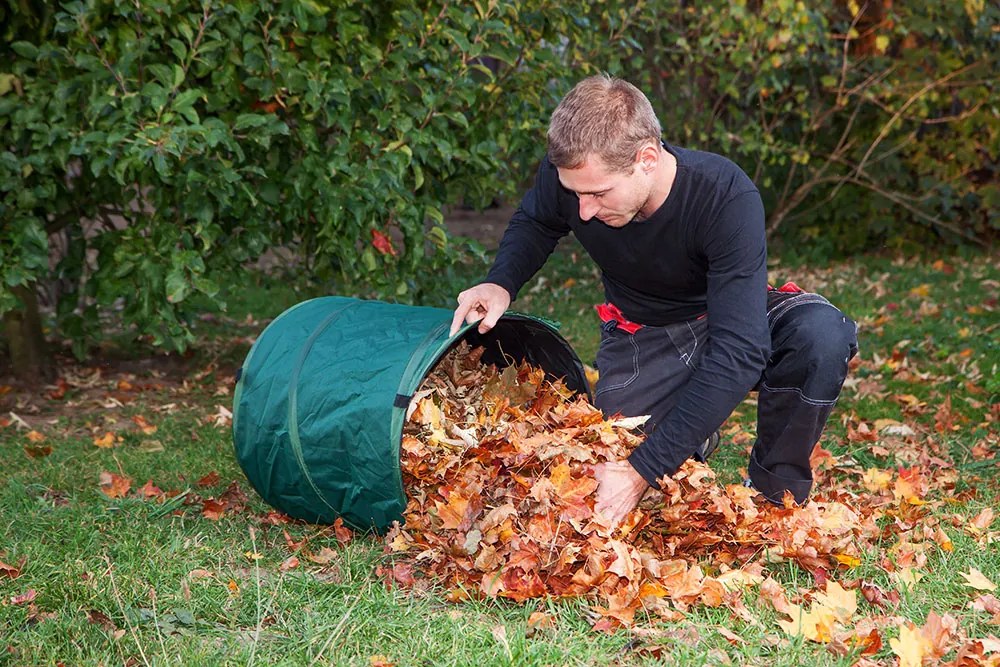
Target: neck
point(663, 181)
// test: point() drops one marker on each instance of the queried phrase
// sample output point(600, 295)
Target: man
point(690, 323)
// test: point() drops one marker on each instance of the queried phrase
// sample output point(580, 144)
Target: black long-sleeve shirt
point(703, 251)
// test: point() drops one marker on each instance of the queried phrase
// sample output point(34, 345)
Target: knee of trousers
point(813, 352)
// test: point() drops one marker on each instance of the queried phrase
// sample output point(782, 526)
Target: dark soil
point(486, 226)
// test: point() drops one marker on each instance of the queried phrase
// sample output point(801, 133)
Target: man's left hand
point(621, 488)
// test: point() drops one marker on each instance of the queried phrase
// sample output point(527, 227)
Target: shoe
point(707, 447)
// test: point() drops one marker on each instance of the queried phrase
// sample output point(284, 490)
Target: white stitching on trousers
point(811, 401)
point(686, 357)
point(798, 300)
point(635, 370)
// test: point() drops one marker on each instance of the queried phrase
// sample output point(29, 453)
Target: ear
point(649, 156)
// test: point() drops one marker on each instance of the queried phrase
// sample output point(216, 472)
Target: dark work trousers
point(811, 344)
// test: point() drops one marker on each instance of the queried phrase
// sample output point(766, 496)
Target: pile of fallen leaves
point(498, 463)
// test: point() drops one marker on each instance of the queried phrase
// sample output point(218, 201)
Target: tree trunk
point(29, 358)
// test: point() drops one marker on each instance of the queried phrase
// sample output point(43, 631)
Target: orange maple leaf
point(572, 492)
point(114, 486)
point(459, 511)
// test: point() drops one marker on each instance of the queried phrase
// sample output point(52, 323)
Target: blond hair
point(603, 116)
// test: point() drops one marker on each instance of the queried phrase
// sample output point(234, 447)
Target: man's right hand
point(486, 301)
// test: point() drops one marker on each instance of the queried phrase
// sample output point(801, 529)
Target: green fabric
point(320, 403)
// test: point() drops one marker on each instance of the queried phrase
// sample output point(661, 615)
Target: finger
point(492, 316)
point(459, 317)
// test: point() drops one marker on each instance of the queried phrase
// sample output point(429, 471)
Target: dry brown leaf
point(114, 486)
point(976, 579)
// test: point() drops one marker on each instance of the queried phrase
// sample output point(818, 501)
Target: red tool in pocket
point(609, 312)
point(788, 288)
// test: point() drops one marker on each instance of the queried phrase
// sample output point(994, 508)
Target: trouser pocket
point(643, 373)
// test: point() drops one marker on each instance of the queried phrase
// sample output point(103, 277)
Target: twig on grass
point(121, 608)
point(156, 623)
point(256, 567)
point(336, 630)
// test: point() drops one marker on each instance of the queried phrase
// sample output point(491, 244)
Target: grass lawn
point(187, 570)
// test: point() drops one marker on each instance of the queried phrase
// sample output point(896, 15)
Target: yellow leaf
point(880, 424)
point(836, 605)
point(105, 441)
point(736, 579)
point(976, 579)
point(399, 544)
point(881, 43)
point(841, 602)
point(853, 8)
point(876, 479)
point(921, 290)
point(910, 647)
point(845, 559)
point(908, 577)
point(35, 436)
point(815, 625)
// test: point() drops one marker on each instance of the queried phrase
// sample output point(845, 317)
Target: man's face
point(613, 197)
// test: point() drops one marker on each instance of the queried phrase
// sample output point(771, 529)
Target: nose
point(588, 207)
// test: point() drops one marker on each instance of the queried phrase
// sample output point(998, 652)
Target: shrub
point(166, 144)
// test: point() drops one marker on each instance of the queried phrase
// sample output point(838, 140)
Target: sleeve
point(739, 341)
point(532, 234)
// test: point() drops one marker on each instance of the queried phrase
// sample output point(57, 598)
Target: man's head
point(602, 116)
point(604, 140)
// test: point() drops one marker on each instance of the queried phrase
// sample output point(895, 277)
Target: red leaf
point(213, 509)
point(876, 596)
point(342, 532)
point(872, 642)
point(403, 573)
point(59, 392)
point(382, 243)
point(28, 596)
point(149, 490)
point(211, 479)
point(97, 617)
point(520, 585)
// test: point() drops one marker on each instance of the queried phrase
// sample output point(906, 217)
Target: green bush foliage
point(149, 151)
point(166, 144)
point(865, 124)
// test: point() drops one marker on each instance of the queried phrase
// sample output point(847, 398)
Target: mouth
point(612, 220)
